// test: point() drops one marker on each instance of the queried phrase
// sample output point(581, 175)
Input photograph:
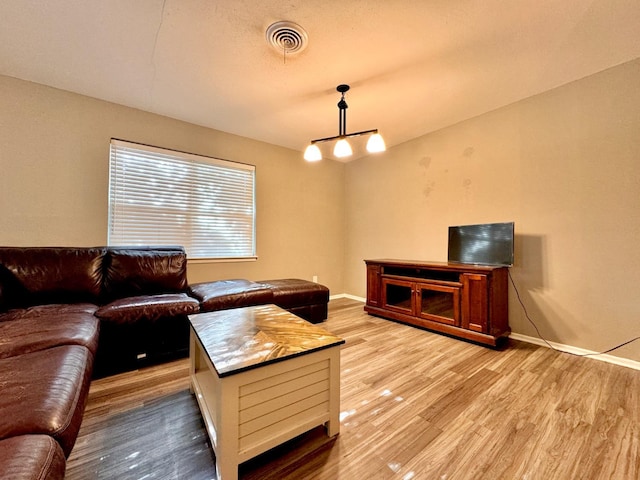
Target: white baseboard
point(347, 295)
point(624, 362)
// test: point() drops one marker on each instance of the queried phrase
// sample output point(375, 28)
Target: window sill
point(222, 260)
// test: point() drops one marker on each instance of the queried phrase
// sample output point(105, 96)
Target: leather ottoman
point(303, 298)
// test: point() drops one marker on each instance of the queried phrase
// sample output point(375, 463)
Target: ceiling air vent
point(287, 37)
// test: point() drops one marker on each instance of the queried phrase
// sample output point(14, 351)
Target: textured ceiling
point(414, 66)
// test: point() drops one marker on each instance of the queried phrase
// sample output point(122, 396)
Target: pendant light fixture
point(342, 147)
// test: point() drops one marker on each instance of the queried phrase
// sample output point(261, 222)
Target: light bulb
point(342, 148)
point(312, 153)
point(376, 143)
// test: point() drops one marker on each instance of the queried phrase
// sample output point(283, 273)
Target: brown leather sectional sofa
point(69, 314)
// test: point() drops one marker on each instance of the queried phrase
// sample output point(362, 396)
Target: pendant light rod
point(337, 137)
point(342, 106)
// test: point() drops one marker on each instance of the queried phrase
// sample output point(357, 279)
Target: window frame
point(193, 168)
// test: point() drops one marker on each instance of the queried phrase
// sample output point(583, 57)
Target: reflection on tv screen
point(483, 244)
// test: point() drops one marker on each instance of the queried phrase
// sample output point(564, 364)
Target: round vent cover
point(287, 37)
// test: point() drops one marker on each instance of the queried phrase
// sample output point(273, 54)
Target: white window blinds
point(163, 197)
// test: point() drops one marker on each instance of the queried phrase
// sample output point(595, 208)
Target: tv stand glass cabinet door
point(440, 303)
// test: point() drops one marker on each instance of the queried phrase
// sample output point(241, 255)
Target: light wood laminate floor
point(415, 405)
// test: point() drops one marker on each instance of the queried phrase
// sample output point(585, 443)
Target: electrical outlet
point(315, 279)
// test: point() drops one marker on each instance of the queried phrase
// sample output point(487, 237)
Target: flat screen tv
point(484, 244)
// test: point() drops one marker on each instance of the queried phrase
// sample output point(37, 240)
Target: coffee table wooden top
point(243, 338)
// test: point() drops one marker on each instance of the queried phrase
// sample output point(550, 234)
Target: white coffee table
point(262, 376)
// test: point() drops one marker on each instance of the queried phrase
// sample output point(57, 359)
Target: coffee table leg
point(226, 472)
point(226, 468)
point(333, 425)
point(227, 448)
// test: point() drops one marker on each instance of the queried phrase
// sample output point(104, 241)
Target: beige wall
point(54, 149)
point(564, 165)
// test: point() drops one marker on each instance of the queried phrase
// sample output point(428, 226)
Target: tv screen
point(484, 244)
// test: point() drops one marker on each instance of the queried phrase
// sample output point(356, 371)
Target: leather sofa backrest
point(132, 271)
point(42, 275)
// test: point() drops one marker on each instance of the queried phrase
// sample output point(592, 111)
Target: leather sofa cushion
point(223, 294)
point(31, 457)
point(40, 275)
point(49, 310)
point(45, 392)
point(148, 307)
point(294, 292)
point(139, 271)
point(32, 332)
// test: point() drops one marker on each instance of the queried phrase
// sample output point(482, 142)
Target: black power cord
point(526, 314)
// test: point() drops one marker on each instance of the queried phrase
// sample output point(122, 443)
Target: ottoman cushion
point(223, 294)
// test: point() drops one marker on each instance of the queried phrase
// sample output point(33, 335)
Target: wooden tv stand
point(465, 301)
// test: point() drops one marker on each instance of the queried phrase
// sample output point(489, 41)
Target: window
point(164, 197)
